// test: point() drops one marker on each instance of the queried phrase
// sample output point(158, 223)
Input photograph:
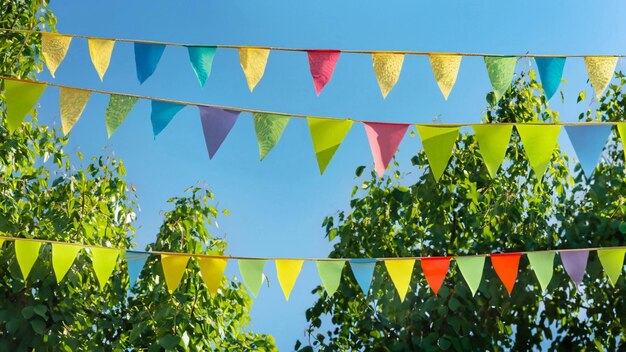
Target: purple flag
point(216, 123)
point(575, 263)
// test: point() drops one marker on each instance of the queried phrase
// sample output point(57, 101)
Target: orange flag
point(435, 270)
point(506, 266)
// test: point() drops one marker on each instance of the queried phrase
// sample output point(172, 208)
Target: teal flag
point(201, 58)
point(162, 115)
point(550, 71)
point(588, 142)
point(363, 270)
point(147, 57)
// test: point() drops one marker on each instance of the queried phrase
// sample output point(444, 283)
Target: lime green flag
point(269, 128)
point(327, 135)
point(20, 98)
point(330, 274)
point(252, 273)
point(103, 260)
point(471, 268)
point(63, 256)
point(438, 144)
point(26, 253)
point(500, 70)
point(492, 139)
point(621, 129)
point(542, 264)
point(539, 142)
point(613, 263)
point(119, 106)
point(174, 266)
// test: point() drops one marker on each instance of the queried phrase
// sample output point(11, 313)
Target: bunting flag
point(387, 67)
point(104, 260)
point(506, 266)
point(100, 51)
point(330, 274)
point(26, 253)
point(493, 140)
point(400, 271)
point(63, 256)
point(472, 270)
point(119, 106)
point(135, 261)
point(216, 124)
point(201, 58)
point(252, 274)
point(174, 266)
point(20, 97)
point(575, 263)
point(72, 102)
point(588, 142)
point(253, 62)
point(621, 132)
point(147, 57)
point(287, 271)
point(435, 270)
point(539, 142)
point(445, 69)
point(600, 70)
point(53, 48)
point(542, 264)
point(384, 139)
point(322, 64)
point(500, 70)
point(212, 271)
point(327, 135)
point(162, 114)
point(269, 128)
point(438, 144)
point(363, 270)
point(550, 71)
point(613, 263)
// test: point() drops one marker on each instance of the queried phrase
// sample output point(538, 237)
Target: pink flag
point(216, 123)
point(322, 64)
point(384, 139)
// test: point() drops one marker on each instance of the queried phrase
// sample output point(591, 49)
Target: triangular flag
point(63, 256)
point(253, 62)
point(252, 274)
point(613, 263)
point(445, 69)
point(506, 266)
point(550, 70)
point(435, 270)
point(330, 274)
point(2, 240)
point(472, 270)
point(100, 52)
point(147, 57)
point(269, 128)
point(575, 263)
point(400, 271)
point(493, 140)
point(600, 70)
point(438, 144)
point(26, 253)
point(588, 142)
point(72, 102)
point(103, 260)
point(174, 266)
point(135, 262)
point(327, 135)
point(384, 139)
point(201, 58)
point(287, 271)
point(543, 266)
point(539, 142)
point(500, 70)
point(387, 67)
point(53, 48)
point(363, 270)
point(621, 130)
point(216, 124)
point(162, 114)
point(20, 99)
point(322, 64)
point(119, 106)
point(212, 270)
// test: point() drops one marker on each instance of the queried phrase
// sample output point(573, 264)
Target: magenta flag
point(575, 263)
point(322, 64)
point(384, 139)
point(216, 124)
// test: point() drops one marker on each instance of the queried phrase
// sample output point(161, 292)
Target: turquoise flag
point(162, 114)
point(135, 262)
point(147, 58)
point(550, 70)
point(363, 270)
point(201, 58)
point(588, 142)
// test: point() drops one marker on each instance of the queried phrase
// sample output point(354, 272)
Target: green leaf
point(38, 325)
point(169, 341)
point(359, 170)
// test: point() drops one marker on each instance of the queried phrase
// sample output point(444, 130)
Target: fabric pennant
point(252, 274)
point(330, 274)
point(506, 266)
point(26, 253)
point(612, 262)
point(20, 99)
point(550, 71)
point(575, 263)
point(135, 263)
point(174, 266)
point(287, 271)
point(542, 264)
point(117, 110)
point(471, 268)
point(100, 52)
point(621, 132)
point(500, 70)
point(588, 142)
point(493, 140)
point(201, 58)
point(384, 139)
point(539, 142)
point(600, 70)
point(216, 124)
point(363, 270)
point(147, 57)
point(322, 64)
point(162, 114)
point(387, 67)
point(400, 271)
point(212, 271)
point(72, 102)
point(253, 62)
point(53, 48)
point(445, 69)
point(327, 135)
point(269, 128)
point(104, 260)
point(435, 270)
point(438, 144)
point(63, 256)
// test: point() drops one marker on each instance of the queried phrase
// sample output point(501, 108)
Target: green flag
point(63, 256)
point(438, 144)
point(20, 99)
point(26, 253)
point(269, 128)
point(613, 262)
point(492, 139)
point(471, 268)
point(621, 129)
point(500, 70)
point(327, 135)
point(103, 260)
point(539, 142)
point(542, 264)
point(330, 274)
point(252, 274)
point(119, 106)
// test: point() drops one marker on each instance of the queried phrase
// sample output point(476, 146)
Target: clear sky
point(278, 205)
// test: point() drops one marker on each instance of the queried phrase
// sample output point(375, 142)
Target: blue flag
point(363, 270)
point(162, 114)
point(550, 70)
point(135, 262)
point(201, 58)
point(147, 58)
point(588, 142)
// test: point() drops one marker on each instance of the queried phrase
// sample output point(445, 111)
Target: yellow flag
point(287, 271)
point(100, 52)
point(600, 70)
point(253, 61)
point(63, 256)
point(54, 47)
point(103, 260)
point(212, 270)
point(445, 70)
point(72, 102)
point(387, 67)
point(400, 271)
point(173, 269)
point(26, 253)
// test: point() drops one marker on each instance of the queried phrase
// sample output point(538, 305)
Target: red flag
point(435, 270)
point(322, 64)
point(506, 266)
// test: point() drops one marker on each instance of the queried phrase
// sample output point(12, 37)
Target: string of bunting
point(387, 64)
point(330, 270)
point(327, 133)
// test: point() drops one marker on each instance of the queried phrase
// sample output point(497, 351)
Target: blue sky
point(278, 205)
